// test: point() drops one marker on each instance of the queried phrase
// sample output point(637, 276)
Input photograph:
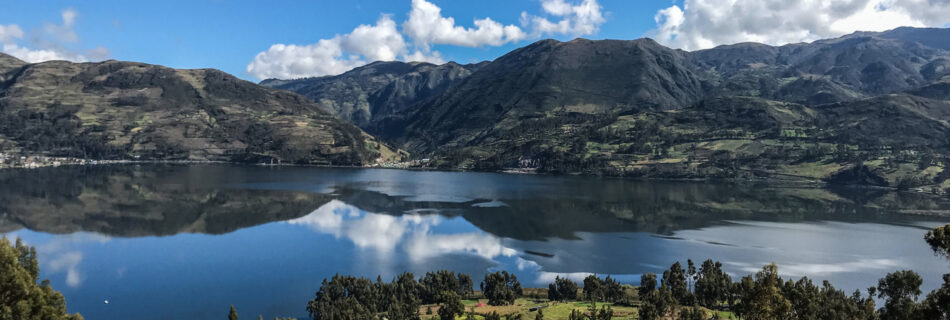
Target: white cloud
point(64, 32)
point(292, 61)
point(701, 24)
point(9, 33)
point(46, 46)
point(40, 55)
point(69, 16)
point(430, 57)
point(424, 28)
point(366, 43)
point(581, 19)
point(381, 42)
point(427, 26)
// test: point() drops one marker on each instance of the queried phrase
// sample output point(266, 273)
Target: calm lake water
point(186, 242)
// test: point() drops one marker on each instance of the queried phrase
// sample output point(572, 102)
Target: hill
point(130, 110)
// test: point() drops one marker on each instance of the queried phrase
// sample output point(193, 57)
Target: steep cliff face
point(377, 91)
point(128, 110)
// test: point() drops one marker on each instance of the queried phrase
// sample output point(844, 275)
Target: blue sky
point(228, 35)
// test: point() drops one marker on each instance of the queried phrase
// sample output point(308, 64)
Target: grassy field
point(553, 310)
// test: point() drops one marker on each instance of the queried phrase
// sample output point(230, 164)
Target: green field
point(553, 310)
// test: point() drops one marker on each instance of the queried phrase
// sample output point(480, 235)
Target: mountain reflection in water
point(263, 238)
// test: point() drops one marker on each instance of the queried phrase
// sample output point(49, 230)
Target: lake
point(187, 241)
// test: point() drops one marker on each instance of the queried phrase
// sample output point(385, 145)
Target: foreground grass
point(553, 310)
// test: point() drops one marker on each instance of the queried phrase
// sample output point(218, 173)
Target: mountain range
point(867, 108)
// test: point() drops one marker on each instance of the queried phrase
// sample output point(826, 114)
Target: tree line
point(348, 297)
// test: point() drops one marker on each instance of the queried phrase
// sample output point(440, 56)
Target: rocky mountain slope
point(378, 91)
point(128, 110)
point(866, 107)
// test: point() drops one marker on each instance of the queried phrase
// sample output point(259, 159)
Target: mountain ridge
point(637, 108)
point(137, 111)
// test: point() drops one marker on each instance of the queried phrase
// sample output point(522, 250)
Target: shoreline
point(36, 162)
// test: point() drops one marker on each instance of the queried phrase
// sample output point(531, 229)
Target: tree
point(937, 304)
point(575, 315)
point(501, 288)
point(691, 274)
point(347, 297)
point(401, 299)
point(232, 315)
point(804, 296)
point(939, 240)
point(563, 289)
point(712, 284)
point(613, 291)
point(466, 286)
point(451, 305)
point(593, 288)
point(899, 290)
point(647, 284)
point(692, 314)
point(20, 295)
point(675, 279)
point(604, 313)
point(657, 303)
point(764, 300)
point(435, 283)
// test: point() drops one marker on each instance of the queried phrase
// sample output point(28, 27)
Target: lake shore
point(17, 161)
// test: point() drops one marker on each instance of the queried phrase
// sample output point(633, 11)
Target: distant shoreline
point(45, 161)
point(803, 182)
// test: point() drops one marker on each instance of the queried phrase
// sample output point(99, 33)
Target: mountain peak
point(8, 62)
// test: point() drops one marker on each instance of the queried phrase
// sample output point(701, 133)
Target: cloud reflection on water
point(411, 233)
point(62, 255)
point(824, 269)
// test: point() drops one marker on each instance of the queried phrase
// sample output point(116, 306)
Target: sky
point(255, 40)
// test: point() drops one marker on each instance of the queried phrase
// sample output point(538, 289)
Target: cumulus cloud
point(47, 44)
point(424, 27)
point(579, 19)
point(366, 43)
point(701, 24)
point(427, 26)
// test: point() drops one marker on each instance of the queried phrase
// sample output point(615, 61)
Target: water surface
point(186, 242)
